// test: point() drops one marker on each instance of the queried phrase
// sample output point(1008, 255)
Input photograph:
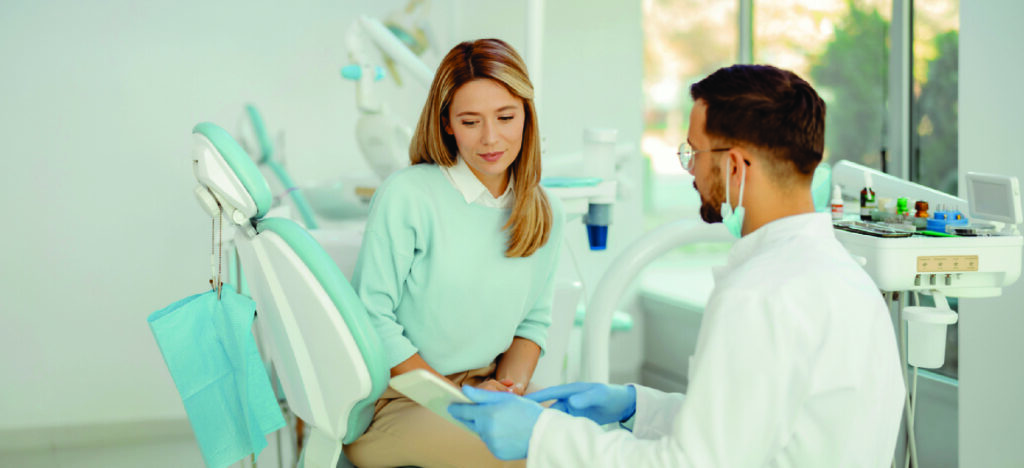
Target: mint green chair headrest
point(239, 162)
point(266, 149)
point(352, 312)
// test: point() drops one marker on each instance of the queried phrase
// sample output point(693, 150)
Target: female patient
point(458, 259)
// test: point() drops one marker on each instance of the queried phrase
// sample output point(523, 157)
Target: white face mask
point(733, 219)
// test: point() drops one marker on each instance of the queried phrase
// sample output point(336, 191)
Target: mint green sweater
point(433, 274)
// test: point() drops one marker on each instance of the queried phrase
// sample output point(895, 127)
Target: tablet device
point(430, 391)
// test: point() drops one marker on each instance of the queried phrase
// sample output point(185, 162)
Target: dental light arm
point(383, 139)
point(389, 45)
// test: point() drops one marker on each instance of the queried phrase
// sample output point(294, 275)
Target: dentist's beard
point(711, 207)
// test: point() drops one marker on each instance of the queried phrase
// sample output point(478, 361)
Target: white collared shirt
point(474, 191)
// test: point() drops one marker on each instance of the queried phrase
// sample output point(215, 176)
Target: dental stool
point(326, 354)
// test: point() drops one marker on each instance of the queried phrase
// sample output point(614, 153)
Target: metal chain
point(220, 252)
point(213, 242)
point(217, 250)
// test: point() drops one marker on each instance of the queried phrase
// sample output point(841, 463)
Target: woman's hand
point(516, 365)
point(498, 386)
point(517, 388)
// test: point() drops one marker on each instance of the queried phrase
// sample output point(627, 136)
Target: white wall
point(991, 376)
point(99, 99)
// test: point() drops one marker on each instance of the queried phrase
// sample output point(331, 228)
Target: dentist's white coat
point(796, 365)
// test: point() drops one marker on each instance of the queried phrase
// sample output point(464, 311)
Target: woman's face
point(487, 123)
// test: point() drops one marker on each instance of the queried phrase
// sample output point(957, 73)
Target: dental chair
point(326, 354)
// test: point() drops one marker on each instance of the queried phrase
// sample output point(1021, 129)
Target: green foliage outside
point(852, 76)
point(935, 118)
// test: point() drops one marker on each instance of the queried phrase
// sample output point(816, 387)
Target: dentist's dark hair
point(769, 108)
point(529, 224)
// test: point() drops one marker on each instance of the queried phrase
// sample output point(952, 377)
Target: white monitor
point(994, 197)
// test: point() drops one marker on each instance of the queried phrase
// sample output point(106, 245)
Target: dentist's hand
point(600, 403)
point(503, 420)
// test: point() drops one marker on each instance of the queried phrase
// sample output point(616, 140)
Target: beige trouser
point(403, 433)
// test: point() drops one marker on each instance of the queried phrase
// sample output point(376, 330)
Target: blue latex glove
point(600, 403)
point(503, 420)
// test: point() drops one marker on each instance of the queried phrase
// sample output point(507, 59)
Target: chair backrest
point(324, 349)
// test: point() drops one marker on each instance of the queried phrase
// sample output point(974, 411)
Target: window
point(934, 111)
point(684, 41)
point(840, 48)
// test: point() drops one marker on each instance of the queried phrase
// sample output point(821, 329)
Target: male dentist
point(796, 361)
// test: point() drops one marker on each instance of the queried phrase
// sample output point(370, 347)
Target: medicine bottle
point(837, 203)
point(901, 207)
point(867, 199)
point(922, 209)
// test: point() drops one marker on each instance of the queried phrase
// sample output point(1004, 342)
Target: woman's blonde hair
point(529, 225)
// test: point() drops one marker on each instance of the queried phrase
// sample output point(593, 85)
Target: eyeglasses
point(686, 154)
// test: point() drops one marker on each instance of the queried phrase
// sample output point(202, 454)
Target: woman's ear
point(446, 125)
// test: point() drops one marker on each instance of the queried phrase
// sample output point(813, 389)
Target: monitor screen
point(990, 198)
point(994, 197)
